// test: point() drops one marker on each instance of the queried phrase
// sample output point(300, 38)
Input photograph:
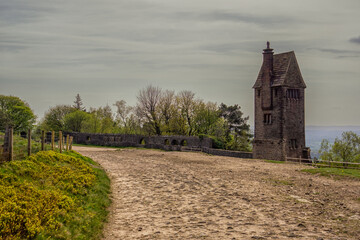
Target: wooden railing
point(325, 163)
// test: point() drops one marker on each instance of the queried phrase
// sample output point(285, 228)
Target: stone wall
point(128, 140)
point(226, 153)
point(168, 143)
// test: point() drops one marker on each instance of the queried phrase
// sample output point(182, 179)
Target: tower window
point(293, 93)
point(267, 119)
point(258, 93)
point(293, 144)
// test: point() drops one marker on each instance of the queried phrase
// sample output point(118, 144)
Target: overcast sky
point(108, 50)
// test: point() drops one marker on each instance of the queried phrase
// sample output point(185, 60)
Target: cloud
point(15, 12)
point(237, 17)
point(11, 48)
point(342, 53)
point(355, 40)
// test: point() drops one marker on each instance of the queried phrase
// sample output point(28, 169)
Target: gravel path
point(178, 195)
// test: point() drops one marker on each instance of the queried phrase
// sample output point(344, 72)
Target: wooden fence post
point(11, 143)
point(71, 141)
point(52, 140)
point(60, 141)
point(42, 140)
point(67, 142)
point(6, 145)
point(29, 142)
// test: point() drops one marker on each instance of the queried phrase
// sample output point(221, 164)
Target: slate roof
point(281, 72)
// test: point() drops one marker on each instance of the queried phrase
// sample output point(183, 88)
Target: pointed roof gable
point(286, 72)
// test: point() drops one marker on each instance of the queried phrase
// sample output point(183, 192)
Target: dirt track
point(177, 195)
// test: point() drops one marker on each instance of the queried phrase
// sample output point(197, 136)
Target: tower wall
point(279, 108)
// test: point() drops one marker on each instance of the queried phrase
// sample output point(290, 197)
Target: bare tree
point(166, 103)
point(187, 106)
point(148, 107)
point(122, 112)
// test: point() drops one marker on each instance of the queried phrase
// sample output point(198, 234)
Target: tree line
point(344, 149)
point(159, 112)
point(156, 112)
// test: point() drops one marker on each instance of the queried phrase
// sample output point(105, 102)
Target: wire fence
point(19, 146)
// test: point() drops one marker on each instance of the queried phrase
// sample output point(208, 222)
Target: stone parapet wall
point(167, 143)
point(128, 140)
point(227, 153)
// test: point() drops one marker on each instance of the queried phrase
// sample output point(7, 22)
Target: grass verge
point(337, 172)
point(53, 196)
point(20, 147)
point(274, 161)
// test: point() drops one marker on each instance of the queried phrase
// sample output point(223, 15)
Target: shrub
point(52, 195)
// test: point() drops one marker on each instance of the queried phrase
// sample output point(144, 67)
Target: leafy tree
point(177, 122)
point(16, 113)
point(234, 117)
point(186, 101)
point(344, 149)
point(325, 152)
point(54, 117)
point(107, 120)
point(238, 134)
point(74, 121)
point(206, 116)
point(78, 103)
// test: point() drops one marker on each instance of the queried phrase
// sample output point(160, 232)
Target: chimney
point(267, 77)
point(268, 58)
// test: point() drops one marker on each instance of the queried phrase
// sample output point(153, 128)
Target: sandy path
point(177, 195)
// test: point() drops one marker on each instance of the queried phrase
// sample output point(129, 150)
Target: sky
point(110, 49)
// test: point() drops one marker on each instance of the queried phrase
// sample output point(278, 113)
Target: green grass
point(337, 165)
point(53, 196)
point(337, 172)
point(20, 147)
point(274, 161)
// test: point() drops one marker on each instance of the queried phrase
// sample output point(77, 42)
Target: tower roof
point(286, 72)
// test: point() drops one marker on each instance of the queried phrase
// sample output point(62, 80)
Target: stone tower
point(279, 108)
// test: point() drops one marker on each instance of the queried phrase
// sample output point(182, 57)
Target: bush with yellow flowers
point(52, 195)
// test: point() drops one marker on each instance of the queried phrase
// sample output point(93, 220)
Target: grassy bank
point(337, 172)
point(53, 195)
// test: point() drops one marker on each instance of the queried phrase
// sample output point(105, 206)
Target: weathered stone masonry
point(279, 93)
point(127, 140)
point(168, 143)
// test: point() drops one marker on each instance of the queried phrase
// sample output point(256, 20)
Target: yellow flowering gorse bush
point(40, 190)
